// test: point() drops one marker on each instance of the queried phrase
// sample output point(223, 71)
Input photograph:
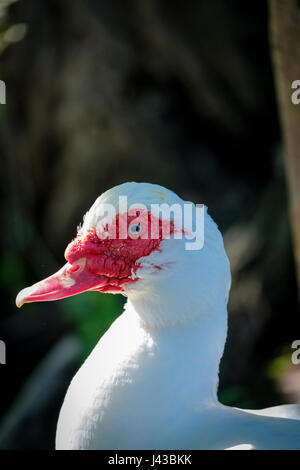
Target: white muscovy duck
point(151, 381)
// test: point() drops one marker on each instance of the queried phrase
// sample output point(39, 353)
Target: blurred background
point(175, 93)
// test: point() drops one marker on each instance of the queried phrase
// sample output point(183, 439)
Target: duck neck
point(190, 345)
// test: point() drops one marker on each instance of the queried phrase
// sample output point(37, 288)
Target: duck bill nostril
point(77, 266)
point(73, 269)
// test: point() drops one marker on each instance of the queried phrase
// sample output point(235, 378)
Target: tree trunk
point(285, 47)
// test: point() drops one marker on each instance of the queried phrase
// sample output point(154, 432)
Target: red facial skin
point(115, 259)
point(98, 263)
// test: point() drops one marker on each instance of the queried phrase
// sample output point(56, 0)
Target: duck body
point(158, 391)
point(143, 394)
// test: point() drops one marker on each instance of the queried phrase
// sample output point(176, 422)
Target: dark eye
point(134, 229)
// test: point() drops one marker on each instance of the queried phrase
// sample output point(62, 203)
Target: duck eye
point(134, 229)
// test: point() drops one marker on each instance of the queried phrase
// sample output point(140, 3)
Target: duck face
point(105, 257)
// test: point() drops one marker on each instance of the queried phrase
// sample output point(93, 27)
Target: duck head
point(136, 240)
